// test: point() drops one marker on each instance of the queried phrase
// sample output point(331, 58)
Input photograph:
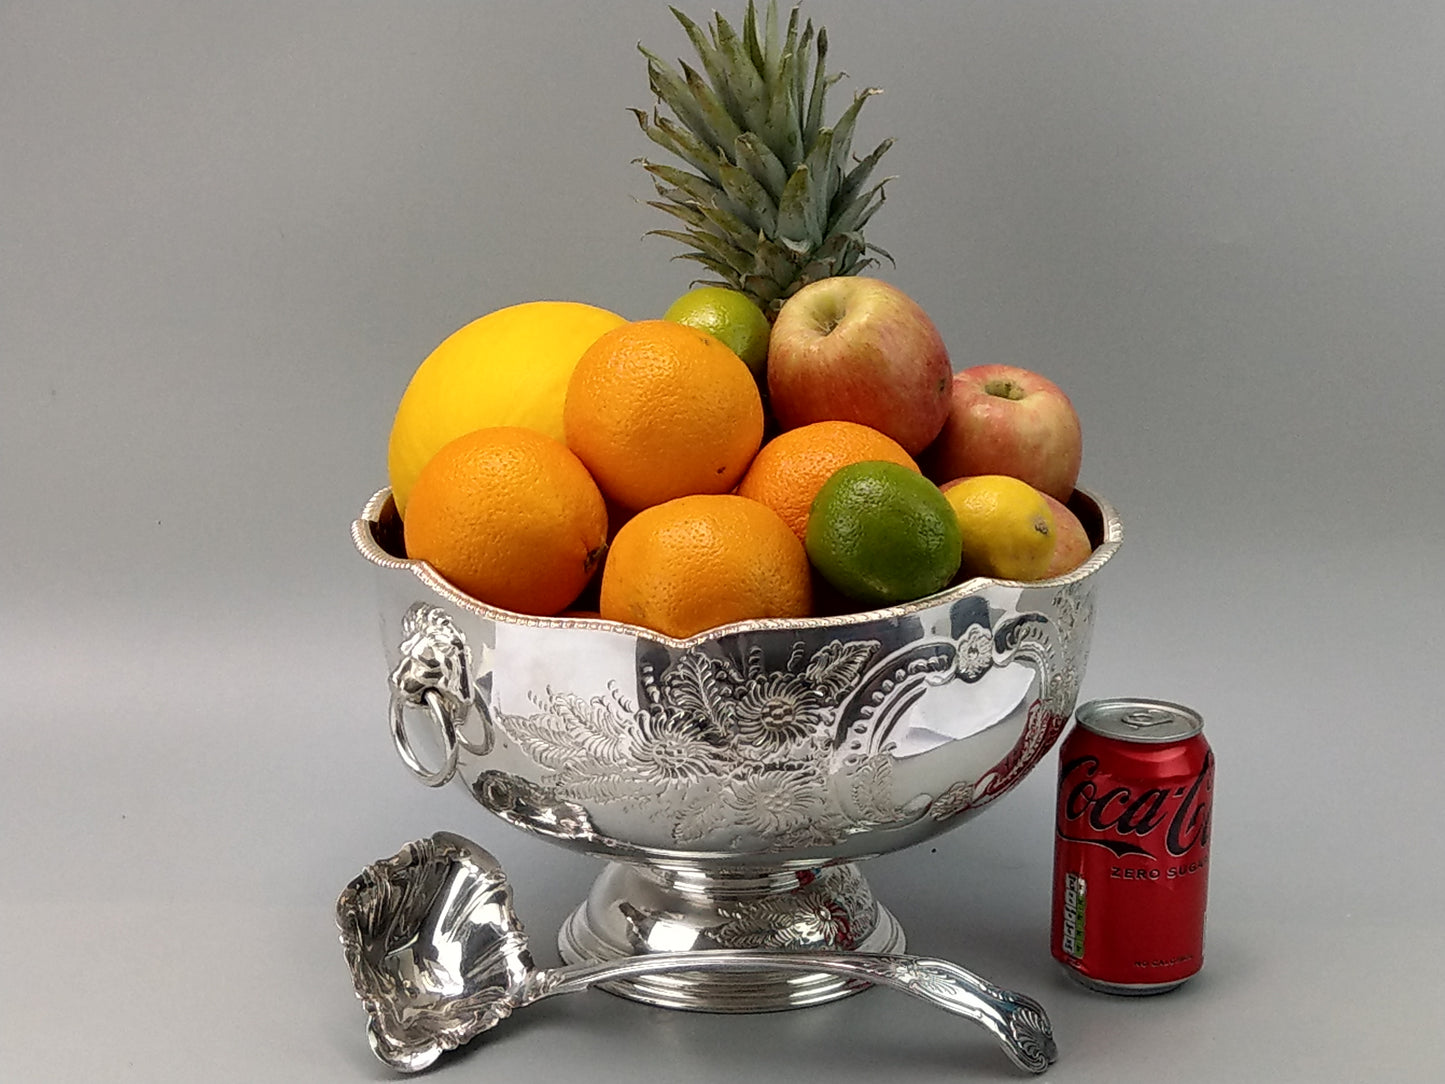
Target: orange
point(698, 562)
point(509, 516)
point(659, 410)
point(790, 469)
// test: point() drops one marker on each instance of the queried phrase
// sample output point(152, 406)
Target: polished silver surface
point(638, 909)
point(438, 956)
point(736, 776)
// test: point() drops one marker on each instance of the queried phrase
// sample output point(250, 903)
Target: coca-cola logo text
point(1120, 815)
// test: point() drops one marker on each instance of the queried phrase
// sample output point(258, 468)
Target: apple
point(857, 349)
point(1007, 420)
point(1071, 542)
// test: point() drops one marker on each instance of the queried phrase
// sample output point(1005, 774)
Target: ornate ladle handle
point(1016, 1021)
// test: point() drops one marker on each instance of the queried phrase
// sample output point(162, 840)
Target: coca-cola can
point(1131, 846)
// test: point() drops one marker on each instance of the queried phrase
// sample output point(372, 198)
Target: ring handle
point(484, 714)
point(436, 705)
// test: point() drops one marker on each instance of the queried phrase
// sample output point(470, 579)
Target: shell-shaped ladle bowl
point(438, 956)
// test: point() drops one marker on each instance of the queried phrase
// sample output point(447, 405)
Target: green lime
point(881, 533)
point(729, 315)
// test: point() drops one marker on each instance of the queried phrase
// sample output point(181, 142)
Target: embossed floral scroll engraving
point(835, 909)
point(740, 751)
point(746, 754)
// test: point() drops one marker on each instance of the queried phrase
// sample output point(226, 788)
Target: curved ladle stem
point(1016, 1021)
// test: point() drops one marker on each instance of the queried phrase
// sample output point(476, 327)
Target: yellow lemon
point(510, 367)
point(1007, 527)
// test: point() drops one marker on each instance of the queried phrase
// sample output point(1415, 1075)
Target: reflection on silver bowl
point(735, 777)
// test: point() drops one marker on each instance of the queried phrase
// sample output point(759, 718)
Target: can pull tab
point(1152, 722)
point(1142, 718)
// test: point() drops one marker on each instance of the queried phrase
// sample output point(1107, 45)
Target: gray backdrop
point(231, 231)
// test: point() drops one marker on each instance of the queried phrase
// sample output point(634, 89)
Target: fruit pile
point(788, 440)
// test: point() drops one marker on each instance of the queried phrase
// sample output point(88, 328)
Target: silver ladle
point(438, 956)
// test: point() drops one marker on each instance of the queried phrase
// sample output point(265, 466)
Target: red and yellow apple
point(1071, 541)
point(1006, 420)
point(857, 349)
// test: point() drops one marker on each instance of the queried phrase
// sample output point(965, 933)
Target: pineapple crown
point(773, 199)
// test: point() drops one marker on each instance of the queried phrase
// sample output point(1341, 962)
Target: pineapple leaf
point(814, 112)
point(749, 90)
point(771, 52)
point(790, 48)
point(820, 179)
point(860, 211)
point(717, 267)
point(681, 205)
point(884, 253)
point(753, 155)
point(679, 141)
point(729, 284)
point(785, 131)
point(768, 294)
point(799, 89)
point(714, 63)
point(733, 227)
point(843, 130)
point(856, 178)
point(774, 260)
point(696, 188)
point(707, 103)
point(688, 147)
point(793, 226)
point(710, 218)
point(837, 245)
point(690, 214)
point(752, 39)
point(689, 188)
point(748, 192)
point(847, 258)
point(673, 90)
point(840, 251)
point(709, 244)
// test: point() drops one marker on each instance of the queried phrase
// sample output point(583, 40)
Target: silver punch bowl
point(733, 780)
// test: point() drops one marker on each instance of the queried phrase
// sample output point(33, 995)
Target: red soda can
point(1131, 846)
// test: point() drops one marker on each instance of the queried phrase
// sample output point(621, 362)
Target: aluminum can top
point(1151, 722)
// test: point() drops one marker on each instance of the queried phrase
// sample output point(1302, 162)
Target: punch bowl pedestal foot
point(634, 909)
